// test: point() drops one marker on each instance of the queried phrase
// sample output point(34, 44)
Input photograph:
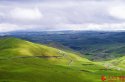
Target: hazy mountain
point(94, 44)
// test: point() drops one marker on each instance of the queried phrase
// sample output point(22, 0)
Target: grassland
point(24, 61)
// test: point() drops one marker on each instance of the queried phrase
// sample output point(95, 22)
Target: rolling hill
point(95, 45)
point(13, 47)
point(24, 61)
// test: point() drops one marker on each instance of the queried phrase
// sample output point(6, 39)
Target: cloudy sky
point(40, 15)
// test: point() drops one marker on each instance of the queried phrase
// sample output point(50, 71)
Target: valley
point(24, 61)
point(92, 44)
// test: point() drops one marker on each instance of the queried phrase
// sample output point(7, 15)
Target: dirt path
point(70, 62)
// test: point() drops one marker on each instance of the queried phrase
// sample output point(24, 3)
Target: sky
point(54, 15)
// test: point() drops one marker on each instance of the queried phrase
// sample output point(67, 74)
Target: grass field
point(23, 61)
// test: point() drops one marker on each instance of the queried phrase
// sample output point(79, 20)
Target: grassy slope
point(22, 61)
point(119, 62)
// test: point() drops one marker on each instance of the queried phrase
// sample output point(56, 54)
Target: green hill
point(24, 61)
point(17, 48)
point(119, 62)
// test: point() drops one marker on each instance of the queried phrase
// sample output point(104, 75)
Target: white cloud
point(1, 14)
point(117, 11)
point(26, 14)
point(7, 27)
point(94, 26)
point(62, 15)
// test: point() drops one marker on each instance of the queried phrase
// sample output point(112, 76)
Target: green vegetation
point(24, 61)
point(98, 44)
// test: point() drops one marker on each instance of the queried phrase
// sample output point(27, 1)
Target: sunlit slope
point(23, 61)
point(119, 62)
point(14, 48)
point(116, 64)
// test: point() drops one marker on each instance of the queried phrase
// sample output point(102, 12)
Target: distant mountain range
point(93, 44)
